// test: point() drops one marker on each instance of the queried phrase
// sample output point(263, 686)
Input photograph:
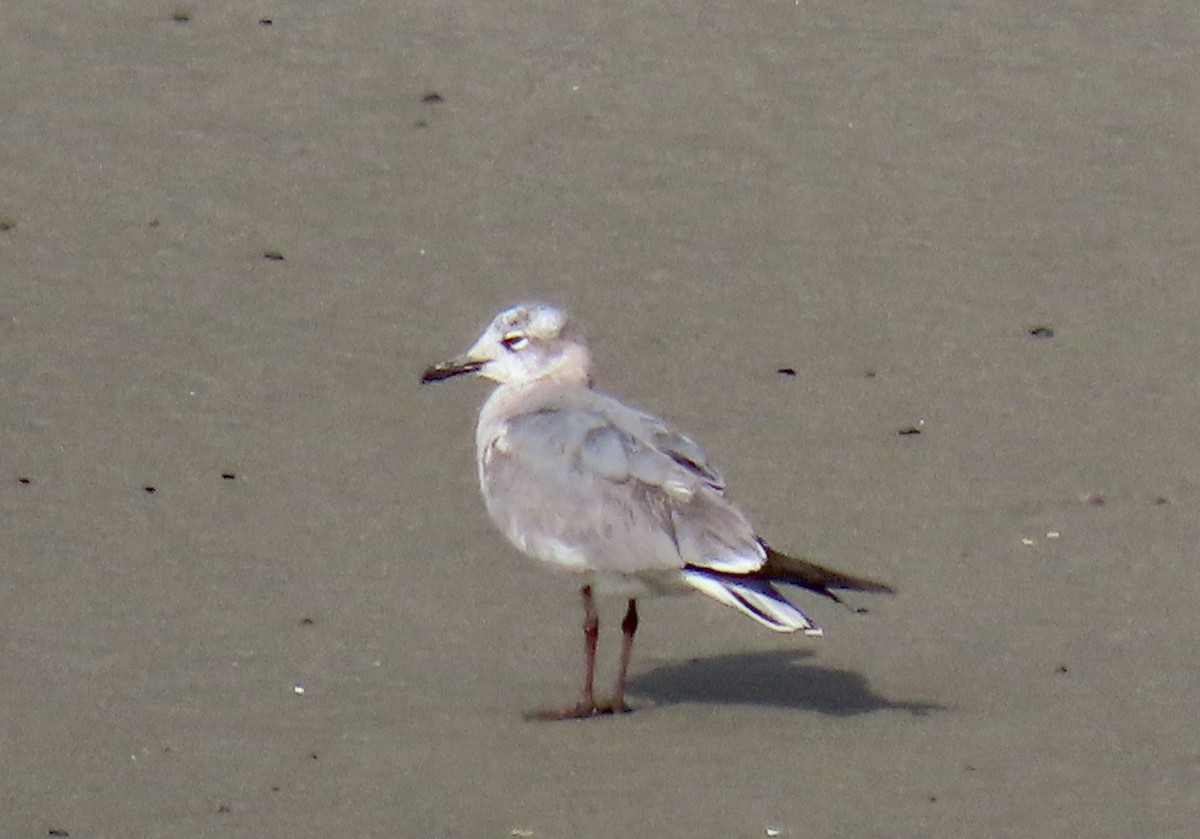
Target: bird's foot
point(617, 706)
point(579, 711)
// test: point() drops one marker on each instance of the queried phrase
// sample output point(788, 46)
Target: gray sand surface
point(885, 196)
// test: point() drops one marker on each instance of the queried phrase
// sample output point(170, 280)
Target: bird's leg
point(586, 706)
point(628, 628)
point(591, 633)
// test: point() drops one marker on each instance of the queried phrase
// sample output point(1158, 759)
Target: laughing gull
point(584, 482)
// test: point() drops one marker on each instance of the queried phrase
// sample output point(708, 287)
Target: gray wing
point(682, 450)
point(609, 488)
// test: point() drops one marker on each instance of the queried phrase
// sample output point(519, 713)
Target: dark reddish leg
point(586, 706)
point(591, 633)
point(628, 628)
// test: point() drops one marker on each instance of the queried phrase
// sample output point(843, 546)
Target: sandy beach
point(248, 587)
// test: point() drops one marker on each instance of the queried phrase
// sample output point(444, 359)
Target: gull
point(580, 480)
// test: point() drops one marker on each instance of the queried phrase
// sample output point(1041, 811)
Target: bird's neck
point(509, 400)
point(574, 368)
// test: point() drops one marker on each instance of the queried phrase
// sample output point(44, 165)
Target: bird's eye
point(515, 342)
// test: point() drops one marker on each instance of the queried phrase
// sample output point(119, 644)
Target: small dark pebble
point(229, 476)
point(265, 21)
point(862, 610)
point(870, 374)
point(23, 481)
point(56, 832)
point(224, 808)
point(432, 97)
point(181, 15)
point(155, 222)
point(273, 255)
point(313, 755)
point(912, 429)
point(1062, 668)
point(1158, 502)
point(933, 799)
point(1042, 331)
point(420, 124)
point(969, 767)
point(274, 789)
point(1095, 500)
point(307, 621)
point(149, 490)
point(786, 371)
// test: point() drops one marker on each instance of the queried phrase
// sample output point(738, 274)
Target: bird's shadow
point(776, 679)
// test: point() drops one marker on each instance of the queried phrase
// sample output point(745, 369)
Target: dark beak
point(450, 369)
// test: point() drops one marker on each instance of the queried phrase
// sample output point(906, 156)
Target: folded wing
point(583, 474)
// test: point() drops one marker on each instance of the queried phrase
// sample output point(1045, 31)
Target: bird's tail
point(754, 594)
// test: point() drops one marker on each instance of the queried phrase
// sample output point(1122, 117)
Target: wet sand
point(248, 586)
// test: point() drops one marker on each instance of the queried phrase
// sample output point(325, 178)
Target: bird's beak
point(450, 369)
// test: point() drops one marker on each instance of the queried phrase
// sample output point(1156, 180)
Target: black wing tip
point(865, 585)
point(816, 577)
